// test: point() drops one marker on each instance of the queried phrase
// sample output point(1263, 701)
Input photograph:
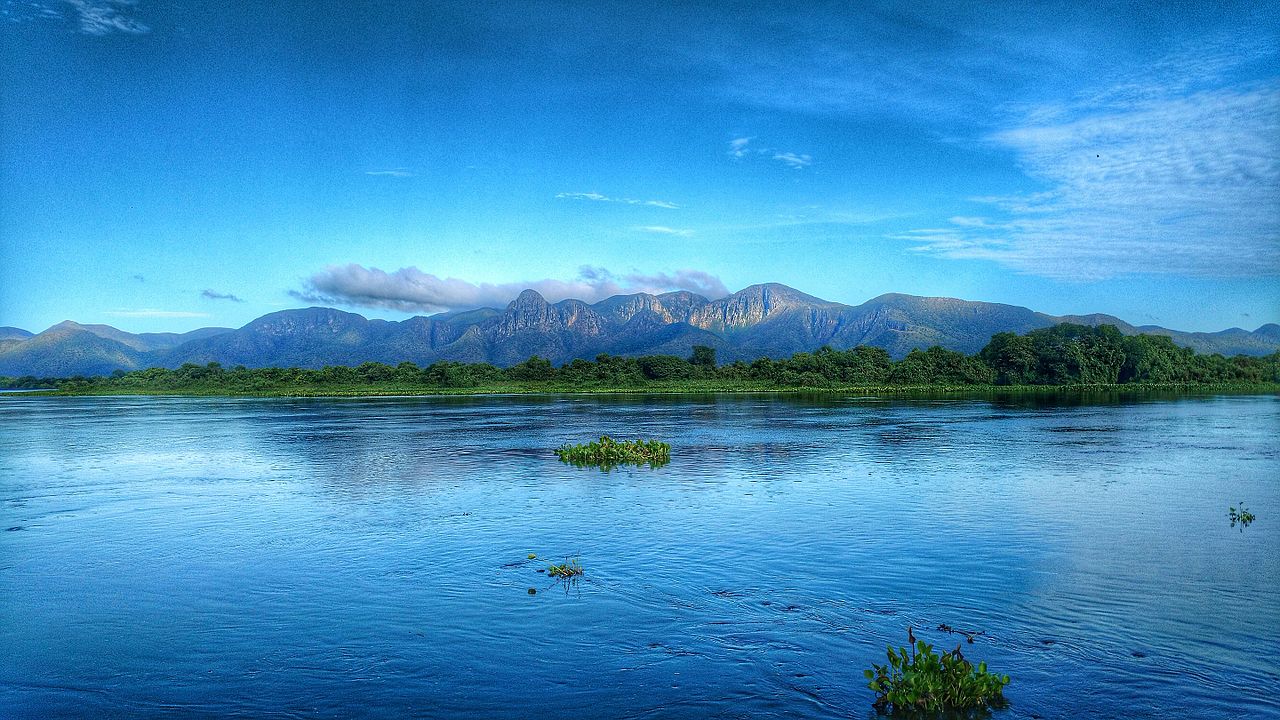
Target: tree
point(535, 368)
point(1012, 357)
point(665, 367)
point(864, 364)
point(1154, 358)
point(703, 356)
point(374, 372)
point(939, 366)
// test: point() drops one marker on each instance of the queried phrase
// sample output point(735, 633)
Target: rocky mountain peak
point(528, 298)
point(767, 319)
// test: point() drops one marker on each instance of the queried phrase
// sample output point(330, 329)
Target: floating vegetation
point(570, 569)
point(533, 556)
point(928, 682)
point(969, 635)
point(607, 453)
point(1240, 516)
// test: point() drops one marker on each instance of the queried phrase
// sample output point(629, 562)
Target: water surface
point(367, 558)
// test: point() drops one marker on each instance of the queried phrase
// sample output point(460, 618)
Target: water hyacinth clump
point(926, 682)
point(570, 568)
point(607, 452)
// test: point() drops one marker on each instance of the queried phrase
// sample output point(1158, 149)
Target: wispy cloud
point(215, 295)
point(411, 290)
point(392, 172)
point(597, 197)
point(104, 17)
point(833, 62)
point(738, 147)
point(796, 162)
point(151, 313)
point(741, 148)
point(1141, 178)
point(663, 230)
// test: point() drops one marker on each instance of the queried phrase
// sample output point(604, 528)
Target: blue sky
point(172, 165)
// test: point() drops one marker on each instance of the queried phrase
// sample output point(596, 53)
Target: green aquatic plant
point(969, 635)
point(926, 682)
point(607, 452)
point(570, 569)
point(1241, 516)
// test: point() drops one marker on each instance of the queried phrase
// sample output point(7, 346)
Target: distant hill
point(769, 319)
point(65, 350)
point(10, 336)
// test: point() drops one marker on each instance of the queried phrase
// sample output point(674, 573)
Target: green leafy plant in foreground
point(607, 452)
point(925, 682)
point(571, 568)
point(1240, 515)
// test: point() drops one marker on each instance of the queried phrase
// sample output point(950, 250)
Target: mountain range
point(769, 319)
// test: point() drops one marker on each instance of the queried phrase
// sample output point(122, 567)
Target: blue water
point(367, 558)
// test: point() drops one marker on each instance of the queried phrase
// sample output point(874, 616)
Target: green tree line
point(1064, 354)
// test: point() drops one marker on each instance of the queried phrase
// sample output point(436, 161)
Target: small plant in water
point(569, 569)
point(926, 682)
point(607, 453)
point(1240, 515)
point(969, 635)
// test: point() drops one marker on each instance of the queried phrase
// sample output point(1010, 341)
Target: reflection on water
point(338, 558)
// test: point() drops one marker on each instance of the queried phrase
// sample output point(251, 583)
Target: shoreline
point(549, 389)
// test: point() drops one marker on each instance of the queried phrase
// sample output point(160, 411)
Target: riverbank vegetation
point(1061, 356)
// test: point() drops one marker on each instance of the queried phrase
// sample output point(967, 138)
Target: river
point(195, 557)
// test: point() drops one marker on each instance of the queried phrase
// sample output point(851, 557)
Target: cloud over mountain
point(412, 290)
point(215, 295)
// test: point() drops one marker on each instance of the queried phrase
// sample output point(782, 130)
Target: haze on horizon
point(172, 165)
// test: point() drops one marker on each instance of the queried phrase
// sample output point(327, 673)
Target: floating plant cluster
point(1240, 516)
point(607, 453)
point(570, 568)
point(926, 682)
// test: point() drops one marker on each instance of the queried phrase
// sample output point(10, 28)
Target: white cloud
point(663, 230)
point(796, 162)
point(835, 63)
point(597, 197)
point(411, 290)
point(151, 313)
point(1176, 178)
point(738, 147)
point(103, 17)
point(393, 172)
point(741, 148)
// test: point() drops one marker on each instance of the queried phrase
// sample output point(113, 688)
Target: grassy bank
point(688, 387)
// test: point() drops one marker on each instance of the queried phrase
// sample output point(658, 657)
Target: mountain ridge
point(767, 319)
